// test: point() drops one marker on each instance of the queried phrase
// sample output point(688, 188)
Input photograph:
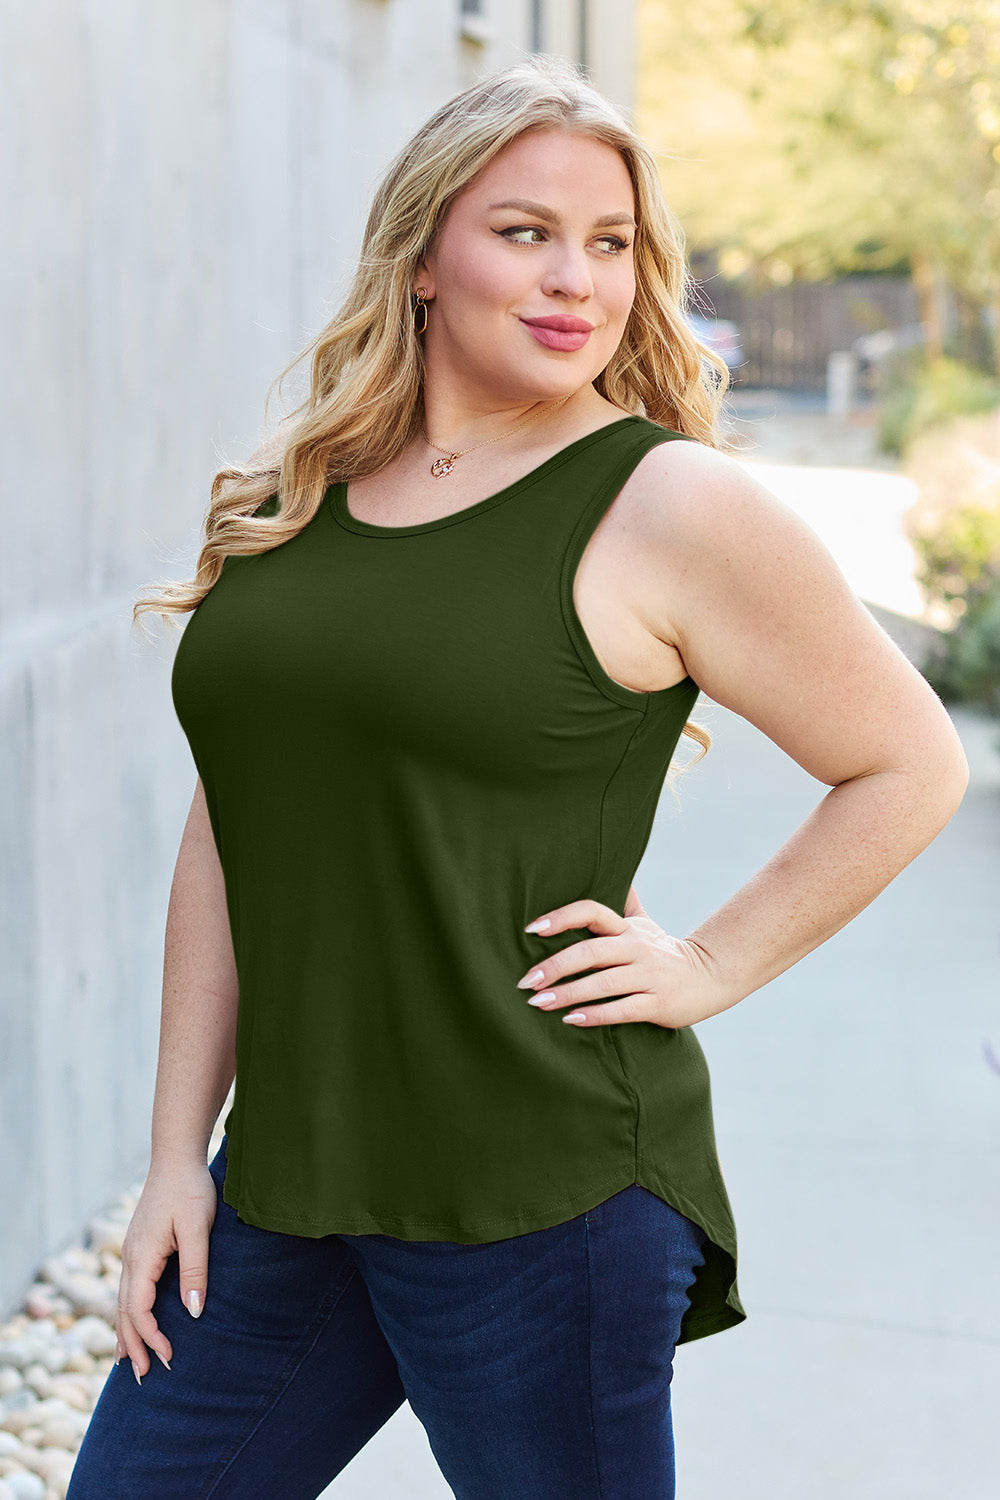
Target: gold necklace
point(442, 466)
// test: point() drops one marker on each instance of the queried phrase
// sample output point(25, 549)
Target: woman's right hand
point(176, 1211)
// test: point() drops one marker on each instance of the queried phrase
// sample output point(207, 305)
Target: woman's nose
point(569, 273)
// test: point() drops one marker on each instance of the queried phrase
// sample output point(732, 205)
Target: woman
point(432, 698)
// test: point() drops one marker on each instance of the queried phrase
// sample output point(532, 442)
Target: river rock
point(26, 1486)
point(94, 1335)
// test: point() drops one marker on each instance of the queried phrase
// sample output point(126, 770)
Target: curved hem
point(710, 1322)
point(698, 1322)
point(376, 1222)
point(727, 1312)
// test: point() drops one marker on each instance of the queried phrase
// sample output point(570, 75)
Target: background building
point(186, 183)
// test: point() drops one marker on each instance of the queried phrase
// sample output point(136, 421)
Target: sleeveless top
point(409, 751)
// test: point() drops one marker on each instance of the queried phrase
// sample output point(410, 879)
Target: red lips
point(561, 323)
point(562, 333)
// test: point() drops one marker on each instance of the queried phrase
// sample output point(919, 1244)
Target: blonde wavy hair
point(365, 401)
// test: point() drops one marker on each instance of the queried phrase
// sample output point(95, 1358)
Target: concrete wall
point(186, 183)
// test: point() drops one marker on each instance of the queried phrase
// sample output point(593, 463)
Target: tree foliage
point(810, 137)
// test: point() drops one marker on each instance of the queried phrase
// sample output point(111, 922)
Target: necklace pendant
point(443, 466)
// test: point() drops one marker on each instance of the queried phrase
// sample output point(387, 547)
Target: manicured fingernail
point(539, 926)
point(194, 1304)
point(541, 999)
point(135, 1372)
point(577, 1015)
point(530, 981)
point(161, 1359)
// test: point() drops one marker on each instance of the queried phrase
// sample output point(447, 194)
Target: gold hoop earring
point(419, 324)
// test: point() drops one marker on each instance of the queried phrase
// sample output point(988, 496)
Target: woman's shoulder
point(684, 495)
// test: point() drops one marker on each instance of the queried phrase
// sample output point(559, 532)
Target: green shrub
point(922, 393)
point(959, 561)
point(954, 528)
point(965, 666)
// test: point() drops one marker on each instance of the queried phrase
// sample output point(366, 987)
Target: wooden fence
point(788, 332)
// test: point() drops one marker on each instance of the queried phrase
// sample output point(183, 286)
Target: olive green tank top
point(409, 751)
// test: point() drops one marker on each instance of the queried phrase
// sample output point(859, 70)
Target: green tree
point(811, 137)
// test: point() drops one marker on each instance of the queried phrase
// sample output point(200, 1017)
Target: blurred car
point(721, 335)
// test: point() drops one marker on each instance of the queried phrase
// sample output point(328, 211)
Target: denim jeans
point(539, 1365)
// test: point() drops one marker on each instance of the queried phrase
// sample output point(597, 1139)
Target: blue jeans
point(539, 1365)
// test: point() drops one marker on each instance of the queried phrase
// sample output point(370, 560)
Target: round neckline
point(336, 494)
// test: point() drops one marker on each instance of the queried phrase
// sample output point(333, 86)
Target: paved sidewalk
point(793, 427)
point(858, 1125)
point(858, 1119)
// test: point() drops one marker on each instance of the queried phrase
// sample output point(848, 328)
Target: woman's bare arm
point(765, 623)
point(768, 627)
point(197, 1056)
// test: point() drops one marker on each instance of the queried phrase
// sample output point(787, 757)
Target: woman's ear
point(422, 278)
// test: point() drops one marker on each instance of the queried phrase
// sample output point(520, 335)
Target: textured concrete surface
point(186, 186)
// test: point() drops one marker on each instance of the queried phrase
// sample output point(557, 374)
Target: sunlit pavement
point(858, 1124)
point(396, 1464)
point(857, 1115)
point(829, 471)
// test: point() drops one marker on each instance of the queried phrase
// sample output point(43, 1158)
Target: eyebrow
point(539, 211)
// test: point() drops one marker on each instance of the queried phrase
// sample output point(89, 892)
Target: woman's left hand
point(655, 977)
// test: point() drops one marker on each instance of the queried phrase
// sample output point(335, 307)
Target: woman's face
point(532, 272)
